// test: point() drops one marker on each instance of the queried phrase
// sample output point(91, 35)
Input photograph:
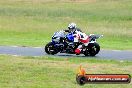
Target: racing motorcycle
point(63, 43)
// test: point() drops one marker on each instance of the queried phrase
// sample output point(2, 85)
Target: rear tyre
point(50, 49)
point(86, 53)
point(94, 49)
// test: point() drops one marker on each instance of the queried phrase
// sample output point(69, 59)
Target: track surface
point(39, 51)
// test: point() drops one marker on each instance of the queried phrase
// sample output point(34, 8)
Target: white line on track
point(117, 50)
point(17, 55)
point(11, 54)
point(25, 46)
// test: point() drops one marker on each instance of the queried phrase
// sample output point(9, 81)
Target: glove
point(67, 31)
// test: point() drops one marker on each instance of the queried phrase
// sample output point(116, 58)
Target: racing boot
point(77, 51)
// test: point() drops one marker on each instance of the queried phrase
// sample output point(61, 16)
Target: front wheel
point(50, 49)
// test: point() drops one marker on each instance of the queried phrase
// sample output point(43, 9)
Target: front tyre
point(50, 49)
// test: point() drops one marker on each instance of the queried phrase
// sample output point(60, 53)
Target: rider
point(72, 26)
point(79, 36)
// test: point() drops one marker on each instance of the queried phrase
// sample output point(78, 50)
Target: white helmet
point(72, 26)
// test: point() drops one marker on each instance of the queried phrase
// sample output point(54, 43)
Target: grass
point(32, 23)
point(53, 72)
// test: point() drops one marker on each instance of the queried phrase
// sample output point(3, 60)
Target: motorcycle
point(63, 43)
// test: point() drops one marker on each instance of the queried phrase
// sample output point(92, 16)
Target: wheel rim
point(94, 49)
point(50, 49)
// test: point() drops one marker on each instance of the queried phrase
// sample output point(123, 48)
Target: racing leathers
point(80, 37)
point(77, 29)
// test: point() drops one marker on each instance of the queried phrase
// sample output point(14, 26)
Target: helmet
point(72, 27)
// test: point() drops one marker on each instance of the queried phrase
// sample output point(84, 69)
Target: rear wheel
point(94, 49)
point(50, 49)
point(86, 53)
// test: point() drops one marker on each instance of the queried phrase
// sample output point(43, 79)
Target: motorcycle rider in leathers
point(79, 36)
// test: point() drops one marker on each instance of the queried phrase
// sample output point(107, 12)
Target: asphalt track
point(39, 51)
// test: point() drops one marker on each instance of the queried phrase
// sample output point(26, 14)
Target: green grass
point(53, 72)
point(32, 23)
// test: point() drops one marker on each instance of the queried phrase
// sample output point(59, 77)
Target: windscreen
point(59, 34)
